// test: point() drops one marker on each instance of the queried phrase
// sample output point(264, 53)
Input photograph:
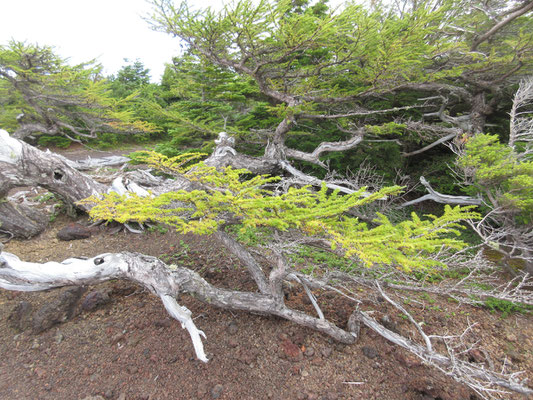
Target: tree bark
point(19, 220)
point(24, 165)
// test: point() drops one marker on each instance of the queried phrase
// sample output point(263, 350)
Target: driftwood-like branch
point(462, 371)
point(167, 282)
point(246, 258)
point(359, 113)
point(93, 163)
point(326, 147)
point(442, 198)
point(430, 146)
point(25, 165)
point(521, 123)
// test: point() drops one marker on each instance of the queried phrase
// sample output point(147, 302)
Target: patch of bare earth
point(130, 349)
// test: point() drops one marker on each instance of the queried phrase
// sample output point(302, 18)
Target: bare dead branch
point(442, 198)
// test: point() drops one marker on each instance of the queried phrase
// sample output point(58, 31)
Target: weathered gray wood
point(20, 220)
point(165, 281)
point(442, 198)
point(25, 165)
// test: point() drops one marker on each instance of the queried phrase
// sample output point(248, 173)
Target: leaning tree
point(43, 95)
point(317, 68)
point(355, 75)
point(224, 201)
point(40, 95)
point(437, 72)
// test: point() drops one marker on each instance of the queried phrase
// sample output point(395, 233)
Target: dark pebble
point(370, 352)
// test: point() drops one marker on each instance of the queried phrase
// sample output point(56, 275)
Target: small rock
point(146, 352)
point(408, 360)
point(119, 337)
point(232, 328)
point(326, 351)
point(298, 339)
point(232, 342)
point(291, 351)
point(389, 323)
point(304, 373)
point(301, 396)
point(132, 369)
point(173, 359)
point(216, 392)
point(60, 309)
point(202, 390)
point(248, 356)
point(309, 352)
point(35, 344)
point(40, 372)
point(370, 352)
point(283, 336)
point(122, 396)
point(317, 361)
point(516, 356)
point(295, 370)
point(59, 337)
point(153, 358)
point(74, 232)
point(94, 300)
point(20, 317)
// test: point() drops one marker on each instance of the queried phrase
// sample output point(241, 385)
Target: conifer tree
point(49, 97)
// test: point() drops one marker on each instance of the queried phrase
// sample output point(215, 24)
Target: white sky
point(108, 30)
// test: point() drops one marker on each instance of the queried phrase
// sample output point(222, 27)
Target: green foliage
point(201, 101)
point(50, 97)
point(250, 236)
point(506, 307)
point(321, 213)
point(130, 79)
point(55, 141)
point(500, 176)
point(307, 259)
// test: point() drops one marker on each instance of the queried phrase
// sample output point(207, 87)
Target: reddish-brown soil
point(131, 349)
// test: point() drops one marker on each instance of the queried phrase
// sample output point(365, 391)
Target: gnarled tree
point(217, 200)
point(354, 75)
point(43, 95)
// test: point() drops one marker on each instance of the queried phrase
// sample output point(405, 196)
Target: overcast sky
point(108, 30)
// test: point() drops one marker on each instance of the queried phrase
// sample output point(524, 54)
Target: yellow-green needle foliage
point(231, 194)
